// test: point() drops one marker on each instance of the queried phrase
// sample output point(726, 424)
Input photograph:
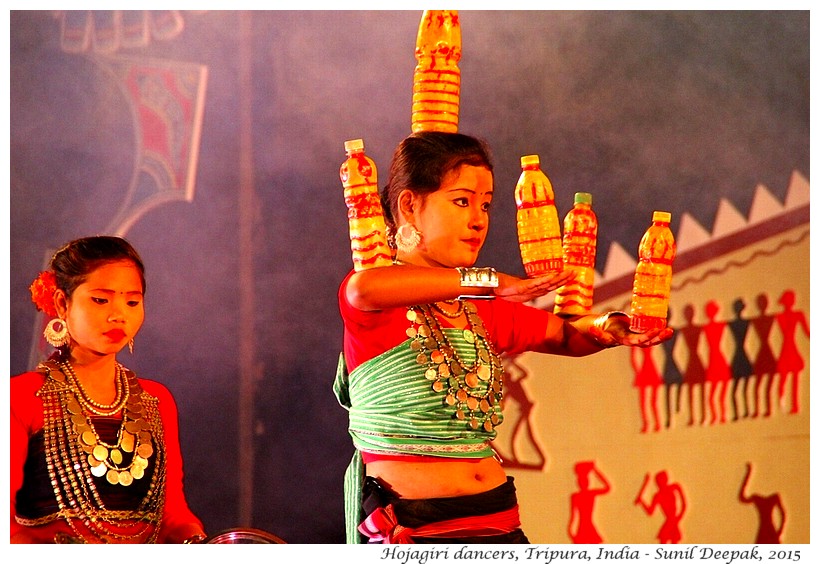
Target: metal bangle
point(474, 277)
point(600, 324)
point(463, 297)
point(195, 539)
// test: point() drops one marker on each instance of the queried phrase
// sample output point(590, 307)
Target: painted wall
point(213, 140)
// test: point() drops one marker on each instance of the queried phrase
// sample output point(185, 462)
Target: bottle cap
point(583, 198)
point(530, 160)
point(661, 216)
point(354, 145)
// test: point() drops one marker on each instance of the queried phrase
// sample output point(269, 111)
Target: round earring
point(407, 237)
point(56, 333)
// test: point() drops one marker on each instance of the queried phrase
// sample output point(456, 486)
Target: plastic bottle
point(437, 78)
point(653, 275)
point(539, 232)
point(580, 243)
point(368, 231)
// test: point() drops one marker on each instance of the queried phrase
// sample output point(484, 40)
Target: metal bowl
point(244, 535)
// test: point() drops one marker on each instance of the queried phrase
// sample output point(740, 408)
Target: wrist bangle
point(198, 538)
point(478, 277)
point(600, 322)
point(463, 297)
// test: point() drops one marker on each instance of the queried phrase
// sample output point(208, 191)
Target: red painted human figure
point(790, 362)
point(581, 527)
point(647, 380)
point(769, 508)
point(764, 365)
point(694, 374)
point(515, 393)
point(672, 503)
point(718, 373)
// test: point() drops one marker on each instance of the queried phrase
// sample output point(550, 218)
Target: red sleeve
point(367, 334)
point(515, 328)
point(26, 410)
point(177, 512)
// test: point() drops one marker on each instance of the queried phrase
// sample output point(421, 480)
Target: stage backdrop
point(212, 141)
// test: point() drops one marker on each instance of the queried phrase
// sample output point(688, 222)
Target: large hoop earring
point(56, 333)
point(407, 238)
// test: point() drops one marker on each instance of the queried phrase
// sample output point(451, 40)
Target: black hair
point(421, 161)
point(76, 260)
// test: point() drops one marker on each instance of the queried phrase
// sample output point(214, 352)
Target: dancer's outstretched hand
point(517, 289)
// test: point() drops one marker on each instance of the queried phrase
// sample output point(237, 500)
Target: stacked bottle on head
point(368, 231)
point(653, 275)
point(580, 243)
point(539, 231)
point(437, 78)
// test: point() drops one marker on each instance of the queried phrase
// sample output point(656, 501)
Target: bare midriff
point(441, 477)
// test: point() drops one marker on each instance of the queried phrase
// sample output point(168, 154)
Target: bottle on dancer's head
point(437, 78)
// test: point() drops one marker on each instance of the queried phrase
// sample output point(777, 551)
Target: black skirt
point(414, 513)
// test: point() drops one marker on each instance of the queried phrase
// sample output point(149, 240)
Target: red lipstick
point(115, 335)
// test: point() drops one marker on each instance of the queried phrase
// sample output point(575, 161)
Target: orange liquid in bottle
point(580, 243)
point(653, 276)
point(539, 232)
point(368, 231)
point(437, 78)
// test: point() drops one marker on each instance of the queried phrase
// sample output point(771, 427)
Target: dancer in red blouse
point(95, 454)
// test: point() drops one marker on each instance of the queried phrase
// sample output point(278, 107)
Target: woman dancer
point(421, 374)
point(95, 454)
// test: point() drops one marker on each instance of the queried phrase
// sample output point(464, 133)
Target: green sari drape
point(393, 409)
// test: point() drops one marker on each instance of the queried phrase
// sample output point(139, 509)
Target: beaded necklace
point(474, 389)
point(76, 457)
point(450, 314)
point(134, 435)
point(89, 404)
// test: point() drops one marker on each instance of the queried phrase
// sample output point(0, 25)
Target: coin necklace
point(134, 435)
point(69, 461)
point(474, 389)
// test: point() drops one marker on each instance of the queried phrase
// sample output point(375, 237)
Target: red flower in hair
point(42, 292)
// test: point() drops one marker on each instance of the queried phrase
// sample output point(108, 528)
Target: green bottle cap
point(583, 198)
